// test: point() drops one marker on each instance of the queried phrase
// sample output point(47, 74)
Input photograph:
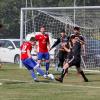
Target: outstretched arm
point(55, 44)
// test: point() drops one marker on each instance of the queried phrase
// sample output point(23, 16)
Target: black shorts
point(75, 63)
point(62, 55)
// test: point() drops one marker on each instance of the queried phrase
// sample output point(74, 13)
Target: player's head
point(76, 30)
point(73, 39)
point(62, 32)
point(33, 40)
point(42, 29)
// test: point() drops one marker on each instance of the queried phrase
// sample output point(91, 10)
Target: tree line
point(10, 12)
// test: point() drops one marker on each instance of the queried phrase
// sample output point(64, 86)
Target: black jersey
point(75, 52)
point(79, 36)
point(60, 41)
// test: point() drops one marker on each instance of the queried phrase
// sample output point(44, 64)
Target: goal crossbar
point(76, 7)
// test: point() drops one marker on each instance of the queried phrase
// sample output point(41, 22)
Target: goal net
point(57, 18)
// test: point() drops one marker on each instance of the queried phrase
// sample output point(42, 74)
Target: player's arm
point(29, 53)
point(84, 51)
point(37, 37)
point(29, 48)
point(55, 44)
point(81, 40)
point(48, 44)
point(66, 48)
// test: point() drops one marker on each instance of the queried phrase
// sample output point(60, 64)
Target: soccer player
point(44, 45)
point(73, 58)
point(62, 53)
point(80, 38)
point(27, 60)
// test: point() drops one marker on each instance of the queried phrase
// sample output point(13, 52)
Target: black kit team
point(73, 58)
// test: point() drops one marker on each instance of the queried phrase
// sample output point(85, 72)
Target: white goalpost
point(58, 18)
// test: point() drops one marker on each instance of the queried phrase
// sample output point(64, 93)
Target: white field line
point(55, 84)
point(86, 70)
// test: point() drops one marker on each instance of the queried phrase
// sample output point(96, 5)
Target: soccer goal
point(57, 18)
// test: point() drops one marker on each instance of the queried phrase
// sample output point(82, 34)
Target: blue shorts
point(29, 63)
point(45, 56)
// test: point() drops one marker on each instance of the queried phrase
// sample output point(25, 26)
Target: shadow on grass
point(45, 81)
point(14, 82)
point(26, 82)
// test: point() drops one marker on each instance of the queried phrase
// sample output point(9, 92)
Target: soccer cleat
point(38, 73)
point(36, 80)
point(86, 80)
point(45, 76)
point(47, 73)
point(59, 79)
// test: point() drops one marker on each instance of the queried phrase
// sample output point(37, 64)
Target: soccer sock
point(40, 71)
point(33, 75)
point(64, 71)
point(83, 75)
point(47, 66)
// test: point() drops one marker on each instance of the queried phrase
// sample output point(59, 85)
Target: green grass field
point(18, 85)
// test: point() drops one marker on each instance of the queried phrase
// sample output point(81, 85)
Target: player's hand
point(63, 45)
point(77, 38)
point(50, 49)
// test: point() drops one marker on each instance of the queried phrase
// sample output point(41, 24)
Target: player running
point(44, 45)
point(27, 60)
point(73, 58)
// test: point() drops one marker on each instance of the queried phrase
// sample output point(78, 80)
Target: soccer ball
point(51, 76)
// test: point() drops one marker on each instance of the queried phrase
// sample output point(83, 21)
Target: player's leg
point(33, 75)
point(36, 66)
point(64, 71)
point(80, 71)
point(47, 64)
point(39, 56)
point(61, 58)
point(26, 64)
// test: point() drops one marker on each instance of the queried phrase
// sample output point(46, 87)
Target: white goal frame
point(48, 8)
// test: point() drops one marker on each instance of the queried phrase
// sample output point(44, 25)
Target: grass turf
point(18, 85)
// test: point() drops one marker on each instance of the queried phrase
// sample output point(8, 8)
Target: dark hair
point(72, 37)
point(32, 39)
point(42, 26)
point(77, 28)
point(62, 31)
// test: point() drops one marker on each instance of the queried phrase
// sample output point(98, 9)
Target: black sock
point(83, 75)
point(64, 71)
